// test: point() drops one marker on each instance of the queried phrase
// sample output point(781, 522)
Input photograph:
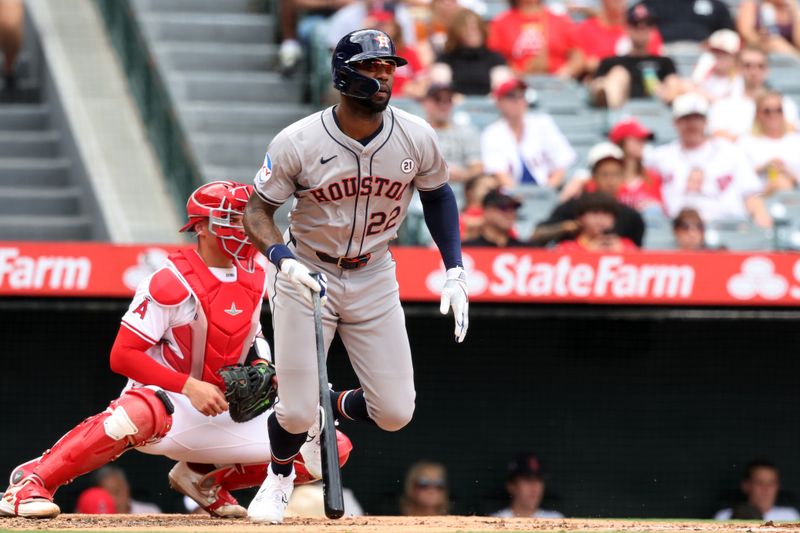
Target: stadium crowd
point(480, 72)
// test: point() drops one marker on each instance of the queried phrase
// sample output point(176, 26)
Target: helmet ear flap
point(350, 82)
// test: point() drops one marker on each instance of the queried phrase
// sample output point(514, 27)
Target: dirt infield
point(377, 524)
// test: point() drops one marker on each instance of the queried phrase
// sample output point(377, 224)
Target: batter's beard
point(368, 104)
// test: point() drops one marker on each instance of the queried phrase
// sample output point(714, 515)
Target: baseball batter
point(195, 315)
point(352, 170)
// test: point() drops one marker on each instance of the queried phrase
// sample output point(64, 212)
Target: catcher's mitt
point(250, 390)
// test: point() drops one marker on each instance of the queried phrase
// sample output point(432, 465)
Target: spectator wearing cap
point(605, 35)
point(733, 117)
point(535, 40)
point(526, 486)
point(596, 215)
point(773, 148)
point(425, 490)
point(689, 231)
point(761, 485)
point(95, 500)
point(772, 25)
point(690, 21)
point(499, 217)
point(637, 73)
point(460, 146)
point(717, 76)
point(606, 161)
point(468, 60)
point(475, 190)
point(708, 174)
point(642, 187)
point(524, 147)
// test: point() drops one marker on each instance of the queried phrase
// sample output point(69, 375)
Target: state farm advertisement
point(532, 275)
point(512, 275)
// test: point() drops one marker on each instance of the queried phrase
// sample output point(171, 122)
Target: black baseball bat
point(331, 475)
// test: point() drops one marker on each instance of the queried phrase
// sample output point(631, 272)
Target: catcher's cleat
point(206, 490)
point(27, 496)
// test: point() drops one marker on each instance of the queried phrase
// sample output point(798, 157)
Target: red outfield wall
point(510, 275)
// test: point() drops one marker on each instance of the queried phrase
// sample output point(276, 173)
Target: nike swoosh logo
point(322, 160)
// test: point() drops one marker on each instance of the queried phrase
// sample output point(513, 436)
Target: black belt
point(346, 263)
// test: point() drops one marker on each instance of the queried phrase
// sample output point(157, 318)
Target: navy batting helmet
point(358, 46)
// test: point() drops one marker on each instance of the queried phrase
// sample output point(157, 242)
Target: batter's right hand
point(205, 397)
point(301, 278)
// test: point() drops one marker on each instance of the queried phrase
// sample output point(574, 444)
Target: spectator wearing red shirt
point(604, 35)
point(534, 40)
point(642, 187)
point(596, 216)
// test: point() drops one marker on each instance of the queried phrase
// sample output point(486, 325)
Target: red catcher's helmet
point(222, 203)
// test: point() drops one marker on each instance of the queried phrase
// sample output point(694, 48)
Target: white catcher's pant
point(198, 438)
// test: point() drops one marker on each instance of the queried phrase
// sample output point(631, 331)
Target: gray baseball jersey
point(350, 198)
point(350, 201)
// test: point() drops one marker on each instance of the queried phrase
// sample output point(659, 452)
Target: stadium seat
point(537, 204)
point(738, 235)
point(658, 238)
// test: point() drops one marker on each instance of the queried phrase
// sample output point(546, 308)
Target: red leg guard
point(239, 477)
point(139, 417)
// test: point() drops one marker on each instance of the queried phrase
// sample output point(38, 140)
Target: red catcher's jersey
point(226, 320)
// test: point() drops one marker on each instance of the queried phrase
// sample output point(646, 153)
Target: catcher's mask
point(223, 203)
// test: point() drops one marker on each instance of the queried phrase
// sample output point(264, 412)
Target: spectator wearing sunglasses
point(733, 117)
point(689, 231)
point(773, 148)
point(499, 217)
point(526, 485)
point(460, 145)
point(425, 490)
point(524, 147)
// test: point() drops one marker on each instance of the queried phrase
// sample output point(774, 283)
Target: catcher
point(191, 332)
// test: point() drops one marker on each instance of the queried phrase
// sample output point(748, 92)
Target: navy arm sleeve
point(441, 216)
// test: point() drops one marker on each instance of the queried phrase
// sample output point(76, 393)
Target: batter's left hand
point(455, 295)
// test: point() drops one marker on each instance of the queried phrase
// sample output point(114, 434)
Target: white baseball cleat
point(28, 498)
point(271, 500)
point(206, 491)
point(311, 450)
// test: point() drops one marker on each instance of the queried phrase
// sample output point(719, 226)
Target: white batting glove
point(301, 278)
point(455, 295)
